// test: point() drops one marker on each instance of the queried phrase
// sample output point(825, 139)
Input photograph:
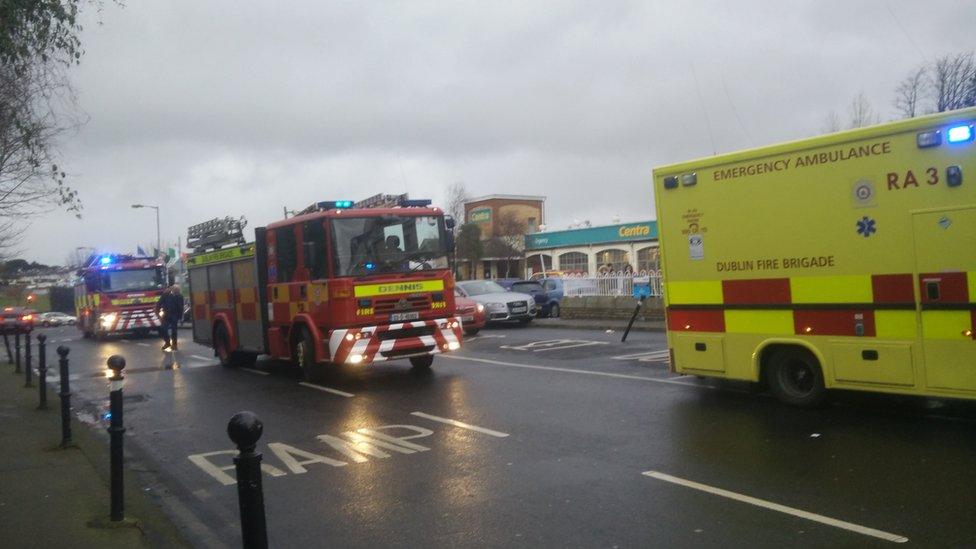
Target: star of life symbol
point(866, 227)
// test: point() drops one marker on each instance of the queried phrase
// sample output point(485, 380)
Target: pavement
point(534, 436)
point(53, 497)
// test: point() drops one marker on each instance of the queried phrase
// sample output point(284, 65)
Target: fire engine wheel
point(471, 331)
point(228, 358)
point(795, 377)
point(554, 311)
point(303, 353)
point(421, 363)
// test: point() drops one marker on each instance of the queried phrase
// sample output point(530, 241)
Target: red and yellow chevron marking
point(394, 341)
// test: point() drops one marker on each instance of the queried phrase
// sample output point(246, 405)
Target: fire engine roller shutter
point(199, 289)
point(249, 331)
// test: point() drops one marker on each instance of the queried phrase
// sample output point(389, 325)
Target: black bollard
point(6, 343)
point(17, 352)
point(42, 371)
point(29, 368)
point(115, 430)
point(245, 429)
point(65, 397)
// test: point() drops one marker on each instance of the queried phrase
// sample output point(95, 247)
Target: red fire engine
point(338, 283)
point(118, 293)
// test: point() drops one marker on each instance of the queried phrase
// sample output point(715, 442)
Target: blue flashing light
point(960, 134)
point(343, 203)
point(370, 266)
point(106, 260)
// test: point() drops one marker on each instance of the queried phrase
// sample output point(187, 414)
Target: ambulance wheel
point(422, 363)
point(303, 353)
point(795, 377)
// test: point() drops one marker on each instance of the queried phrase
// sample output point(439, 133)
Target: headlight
point(108, 319)
point(480, 307)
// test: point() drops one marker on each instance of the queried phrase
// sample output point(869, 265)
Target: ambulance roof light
point(925, 140)
point(960, 134)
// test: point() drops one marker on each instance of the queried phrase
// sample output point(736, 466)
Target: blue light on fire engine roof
point(343, 203)
point(370, 266)
point(106, 260)
point(960, 134)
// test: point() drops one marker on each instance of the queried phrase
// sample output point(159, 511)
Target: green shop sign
point(481, 215)
point(627, 232)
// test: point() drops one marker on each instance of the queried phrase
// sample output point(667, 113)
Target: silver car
point(500, 304)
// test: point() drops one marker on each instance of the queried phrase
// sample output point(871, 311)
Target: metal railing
point(611, 284)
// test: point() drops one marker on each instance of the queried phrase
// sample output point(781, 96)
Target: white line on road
point(201, 357)
point(462, 425)
point(142, 344)
point(583, 344)
point(573, 371)
point(490, 336)
point(200, 364)
point(326, 389)
point(253, 371)
point(777, 507)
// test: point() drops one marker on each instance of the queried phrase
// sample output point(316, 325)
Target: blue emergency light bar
point(334, 204)
point(105, 260)
point(417, 203)
point(959, 134)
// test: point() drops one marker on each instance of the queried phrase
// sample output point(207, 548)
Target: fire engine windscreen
point(130, 281)
point(388, 244)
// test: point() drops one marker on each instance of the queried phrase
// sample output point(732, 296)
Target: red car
point(16, 320)
point(471, 312)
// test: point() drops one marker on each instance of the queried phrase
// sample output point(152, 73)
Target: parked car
point(55, 318)
point(471, 312)
point(500, 304)
point(547, 294)
point(16, 320)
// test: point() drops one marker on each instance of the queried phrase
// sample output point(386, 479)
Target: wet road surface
point(535, 437)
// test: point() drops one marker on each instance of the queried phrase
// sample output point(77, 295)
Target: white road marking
point(202, 357)
point(253, 371)
point(200, 364)
point(326, 389)
point(142, 344)
point(652, 356)
point(462, 425)
point(777, 507)
point(490, 336)
point(573, 371)
point(552, 345)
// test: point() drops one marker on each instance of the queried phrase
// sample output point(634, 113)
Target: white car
point(500, 304)
point(55, 319)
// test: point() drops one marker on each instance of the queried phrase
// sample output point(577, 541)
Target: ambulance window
point(313, 236)
point(285, 251)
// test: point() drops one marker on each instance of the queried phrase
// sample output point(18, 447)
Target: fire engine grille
point(407, 352)
point(401, 304)
point(406, 332)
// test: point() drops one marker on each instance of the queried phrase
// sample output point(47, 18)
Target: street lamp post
point(158, 245)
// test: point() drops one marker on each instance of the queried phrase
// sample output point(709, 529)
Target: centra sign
point(482, 215)
point(630, 231)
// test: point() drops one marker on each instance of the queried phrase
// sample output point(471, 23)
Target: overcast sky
point(239, 108)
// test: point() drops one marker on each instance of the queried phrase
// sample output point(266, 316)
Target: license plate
point(519, 309)
point(400, 317)
point(467, 318)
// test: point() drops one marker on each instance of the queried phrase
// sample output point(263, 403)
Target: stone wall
point(606, 307)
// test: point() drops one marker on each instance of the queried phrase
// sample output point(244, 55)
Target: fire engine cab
point(117, 293)
point(338, 283)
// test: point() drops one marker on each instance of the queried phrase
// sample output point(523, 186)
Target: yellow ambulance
point(846, 261)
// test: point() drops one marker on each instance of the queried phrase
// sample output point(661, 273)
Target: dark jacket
point(172, 306)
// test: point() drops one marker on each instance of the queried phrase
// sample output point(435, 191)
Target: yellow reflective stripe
point(134, 300)
point(368, 290)
point(694, 292)
point(246, 250)
point(971, 280)
point(945, 324)
point(831, 289)
point(895, 324)
point(758, 322)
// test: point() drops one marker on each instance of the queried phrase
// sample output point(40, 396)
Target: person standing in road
point(169, 308)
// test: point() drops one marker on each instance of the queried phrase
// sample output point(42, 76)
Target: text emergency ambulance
point(846, 261)
point(333, 284)
point(117, 294)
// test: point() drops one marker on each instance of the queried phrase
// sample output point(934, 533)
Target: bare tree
point(831, 123)
point(953, 81)
point(909, 92)
point(861, 113)
point(509, 231)
point(457, 194)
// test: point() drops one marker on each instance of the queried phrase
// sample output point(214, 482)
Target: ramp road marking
point(864, 530)
point(325, 389)
point(217, 472)
point(460, 424)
